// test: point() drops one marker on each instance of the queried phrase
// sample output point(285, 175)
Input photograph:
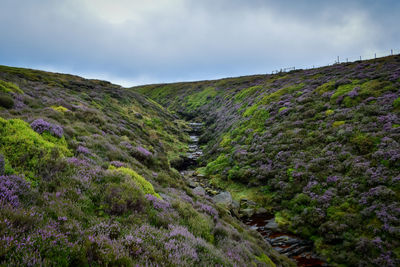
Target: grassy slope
point(320, 147)
point(103, 193)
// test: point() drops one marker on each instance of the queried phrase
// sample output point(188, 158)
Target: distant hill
point(320, 148)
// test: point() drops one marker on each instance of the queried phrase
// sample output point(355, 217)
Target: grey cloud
point(162, 41)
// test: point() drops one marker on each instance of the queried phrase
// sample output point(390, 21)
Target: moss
point(329, 112)
point(226, 140)
point(396, 103)
point(257, 122)
point(351, 102)
point(60, 109)
point(338, 123)
point(342, 90)
point(279, 93)
point(199, 99)
point(217, 165)
point(250, 110)
point(8, 87)
point(282, 109)
point(326, 87)
point(247, 92)
point(281, 218)
point(27, 150)
point(140, 181)
point(374, 88)
point(265, 259)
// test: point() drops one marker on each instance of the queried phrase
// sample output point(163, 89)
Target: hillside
point(318, 148)
point(86, 180)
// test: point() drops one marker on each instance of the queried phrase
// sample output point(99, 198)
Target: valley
point(298, 167)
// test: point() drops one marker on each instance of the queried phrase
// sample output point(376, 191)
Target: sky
point(132, 42)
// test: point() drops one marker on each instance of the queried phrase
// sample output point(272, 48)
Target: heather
point(86, 180)
point(318, 148)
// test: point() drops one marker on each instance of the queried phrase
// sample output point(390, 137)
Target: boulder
point(199, 191)
point(245, 203)
point(272, 225)
point(247, 212)
point(192, 184)
point(235, 208)
point(261, 211)
point(223, 198)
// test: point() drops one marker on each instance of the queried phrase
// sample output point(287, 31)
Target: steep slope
point(85, 179)
point(320, 148)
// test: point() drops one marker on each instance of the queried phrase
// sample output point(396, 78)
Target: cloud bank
point(136, 42)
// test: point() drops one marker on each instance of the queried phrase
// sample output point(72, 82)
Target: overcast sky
point(132, 42)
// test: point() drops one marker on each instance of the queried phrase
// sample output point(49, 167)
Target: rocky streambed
point(296, 248)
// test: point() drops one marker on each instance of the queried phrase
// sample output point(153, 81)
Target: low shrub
point(6, 101)
point(40, 126)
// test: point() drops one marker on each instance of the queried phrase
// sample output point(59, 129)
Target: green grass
point(279, 93)
point(27, 150)
point(139, 180)
point(326, 87)
point(9, 87)
point(247, 92)
point(199, 99)
point(342, 90)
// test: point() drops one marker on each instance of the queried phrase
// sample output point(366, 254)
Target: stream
point(294, 247)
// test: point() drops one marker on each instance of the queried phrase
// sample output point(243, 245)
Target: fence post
point(338, 60)
point(375, 55)
point(360, 58)
point(391, 52)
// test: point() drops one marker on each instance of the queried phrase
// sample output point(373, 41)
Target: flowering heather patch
point(117, 164)
point(11, 188)
point(207, 209)
point(126, 144)
point(83, 150)
point(142, 151)
point(40, 126)
point(158, 203)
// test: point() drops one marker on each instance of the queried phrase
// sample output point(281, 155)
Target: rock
point(247, 212)
point(235, 208)
point(272, 225)
point(199, 191)
point(189, 173)
point(193, 184)
point(261, 211)
point(245, 203)
point(285, 240)
point(223, 198)
point(235, 204)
